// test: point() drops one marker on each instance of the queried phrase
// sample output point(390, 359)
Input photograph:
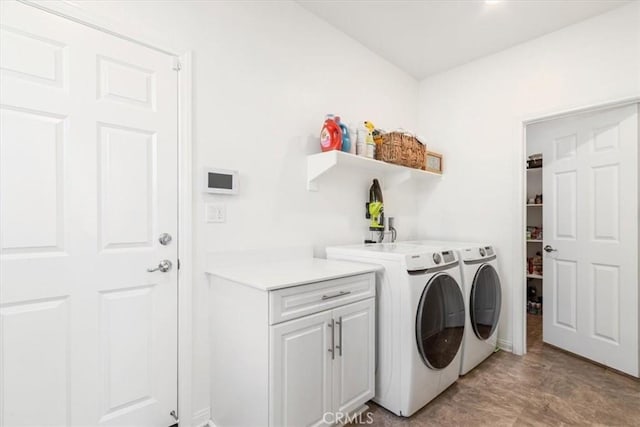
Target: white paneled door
point(590, 225)
point(88, 184)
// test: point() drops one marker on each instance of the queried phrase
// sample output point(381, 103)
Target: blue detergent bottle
point(346, 140)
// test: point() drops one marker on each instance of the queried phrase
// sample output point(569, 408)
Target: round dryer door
point(486, 298)
point(440, 321)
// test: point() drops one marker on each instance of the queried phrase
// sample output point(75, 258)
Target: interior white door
point(88, 183)
point(301, 371)
point(590, 224)
point(354, 364)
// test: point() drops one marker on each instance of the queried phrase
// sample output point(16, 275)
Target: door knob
point(549, 249)
point(163, 266)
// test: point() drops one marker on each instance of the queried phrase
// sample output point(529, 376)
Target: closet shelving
point(534, 213)
point(534, 245)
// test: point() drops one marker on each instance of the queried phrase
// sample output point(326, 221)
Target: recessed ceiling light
point(491, 1)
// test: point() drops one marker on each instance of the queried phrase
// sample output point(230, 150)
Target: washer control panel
point(427, 260)
point(448, 256)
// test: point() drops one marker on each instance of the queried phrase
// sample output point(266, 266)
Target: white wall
point(474, 114)
point(265, 75)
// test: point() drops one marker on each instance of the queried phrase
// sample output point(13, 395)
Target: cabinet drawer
point(291, 303)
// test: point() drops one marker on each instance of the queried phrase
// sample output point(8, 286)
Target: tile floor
point(547, 387)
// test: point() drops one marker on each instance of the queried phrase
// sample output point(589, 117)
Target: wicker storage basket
point(401, 148)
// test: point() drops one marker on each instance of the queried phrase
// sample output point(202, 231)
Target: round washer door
point(440, 321)
point(485, 302)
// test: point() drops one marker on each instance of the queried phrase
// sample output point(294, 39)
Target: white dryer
point(420, 321)
point(483, 299)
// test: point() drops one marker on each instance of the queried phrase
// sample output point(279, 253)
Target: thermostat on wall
point(220, 181)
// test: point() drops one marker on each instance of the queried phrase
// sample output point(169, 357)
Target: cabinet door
point(301, 371)
point(354, 365)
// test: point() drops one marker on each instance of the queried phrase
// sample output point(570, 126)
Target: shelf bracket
point(316, 167)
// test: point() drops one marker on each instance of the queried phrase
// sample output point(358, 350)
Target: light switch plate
point(215, 212)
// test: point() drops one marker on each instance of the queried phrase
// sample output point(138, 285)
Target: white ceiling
point(424, 37)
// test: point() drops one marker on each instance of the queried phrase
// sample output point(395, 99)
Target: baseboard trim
point(505, 345)
point(202, 418)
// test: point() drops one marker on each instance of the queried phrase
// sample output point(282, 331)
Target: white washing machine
point(482, 296)
point(420, 321)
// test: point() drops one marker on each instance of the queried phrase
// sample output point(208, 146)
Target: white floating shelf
point(389, 174)
point(531, 205)
point(534, 276)
point(534, 241)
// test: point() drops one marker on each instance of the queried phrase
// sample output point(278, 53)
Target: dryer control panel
point(477, 253)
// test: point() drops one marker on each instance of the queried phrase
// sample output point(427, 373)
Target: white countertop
point(269, 276)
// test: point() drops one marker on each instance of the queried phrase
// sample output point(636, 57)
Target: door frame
point(519, 299)
point(74, 10)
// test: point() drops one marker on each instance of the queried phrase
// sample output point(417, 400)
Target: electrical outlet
point(216, 212)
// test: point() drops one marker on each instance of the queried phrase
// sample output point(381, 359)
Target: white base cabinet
point(323, 365)
point(312, 369)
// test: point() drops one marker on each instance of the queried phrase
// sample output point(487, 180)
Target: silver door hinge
point(178, 264)
point(177, 66)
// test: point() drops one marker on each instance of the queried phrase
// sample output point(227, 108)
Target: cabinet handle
point(339, 294)
point(333, 339)
point(339, 346)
